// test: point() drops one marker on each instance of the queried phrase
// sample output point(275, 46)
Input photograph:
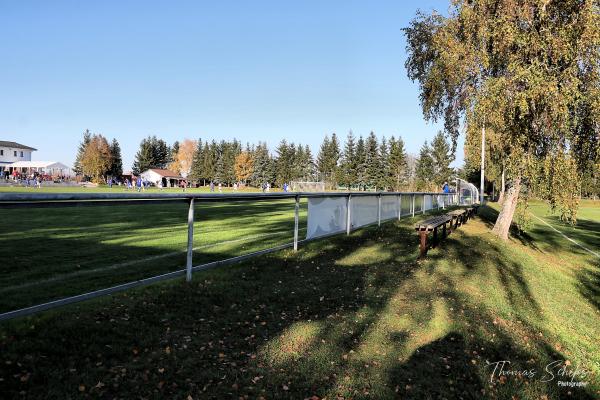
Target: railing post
point(190, 243)
point(379, 210)
point(348, 215)
point(444, 201)
point(296, 214)
point(399, 206)
point(413, 205)
point(423, 205)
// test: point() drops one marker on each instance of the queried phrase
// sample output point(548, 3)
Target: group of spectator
point(31, 179)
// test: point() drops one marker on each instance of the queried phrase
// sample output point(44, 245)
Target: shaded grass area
point(49, 253)
point(350, 317)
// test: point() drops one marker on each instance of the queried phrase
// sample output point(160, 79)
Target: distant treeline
point(358, 163)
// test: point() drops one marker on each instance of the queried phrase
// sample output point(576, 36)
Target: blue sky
point(254, 70)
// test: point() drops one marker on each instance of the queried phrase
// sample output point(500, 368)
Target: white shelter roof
point(39, 164)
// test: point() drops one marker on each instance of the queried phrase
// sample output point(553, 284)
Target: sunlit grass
point(352, 317)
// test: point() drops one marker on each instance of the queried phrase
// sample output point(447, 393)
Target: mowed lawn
point(50, 253)
point(346, 317)
point(118, 189)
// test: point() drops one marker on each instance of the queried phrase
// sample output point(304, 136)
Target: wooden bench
point(471, 211)
point(458, 218)
point(431, 225)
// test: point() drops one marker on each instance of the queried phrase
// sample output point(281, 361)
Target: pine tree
point(327, 160)
point(323, 159)
point(385, 177)
point(262, 165)
point(174, 150)
point(210, 160)
point(398, 164)
point(348, 163)
point(87, 137)
point(116, 166)
point(144, 158)
point(153, 153)
point(309, 165)
point(372, 160)
point(442, 157)
point(362, 175)
point(284, 162)
point(161, 153)
point(424, 169)
point(197, 170)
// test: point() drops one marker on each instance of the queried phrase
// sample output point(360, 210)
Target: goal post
point(299, 186)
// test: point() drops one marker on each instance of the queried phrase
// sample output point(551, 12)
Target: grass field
point(51, 253)
point(118, 189)
point(350, 317)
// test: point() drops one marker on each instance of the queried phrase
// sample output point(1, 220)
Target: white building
point(11, 152)
point(162, 177)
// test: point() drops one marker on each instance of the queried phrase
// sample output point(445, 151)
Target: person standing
point(220, 188)
point(212, 186)
point(138, 183)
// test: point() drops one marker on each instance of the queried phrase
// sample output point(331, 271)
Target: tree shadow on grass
point(348, 315)
point(589, 283)
point(228, 313)
point(488, 259)
point(83, 242)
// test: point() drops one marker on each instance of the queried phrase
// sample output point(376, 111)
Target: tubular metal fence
point(409, 204)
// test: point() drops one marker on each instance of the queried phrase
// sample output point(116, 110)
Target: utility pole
point(482, 163)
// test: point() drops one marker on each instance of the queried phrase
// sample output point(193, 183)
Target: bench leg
point(423, 243)
point(444, 234)
point(435, 237)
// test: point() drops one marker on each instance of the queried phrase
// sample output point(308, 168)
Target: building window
point(21, 154)
point(15, 153)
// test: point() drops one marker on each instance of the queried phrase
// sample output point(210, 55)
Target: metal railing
point(28, 200)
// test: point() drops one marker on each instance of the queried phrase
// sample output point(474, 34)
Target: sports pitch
point(351, 317)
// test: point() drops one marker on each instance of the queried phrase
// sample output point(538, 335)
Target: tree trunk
point(502, 225)
point(502, 189)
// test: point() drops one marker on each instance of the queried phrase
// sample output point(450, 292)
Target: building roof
point(38, 164)
point(166, 173)
point(15, 145)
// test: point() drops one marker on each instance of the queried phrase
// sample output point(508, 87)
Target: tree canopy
point(153, 153)
point(528, 71)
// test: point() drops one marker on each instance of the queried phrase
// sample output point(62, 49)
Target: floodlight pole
point(190, 243)
point(482, 162)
